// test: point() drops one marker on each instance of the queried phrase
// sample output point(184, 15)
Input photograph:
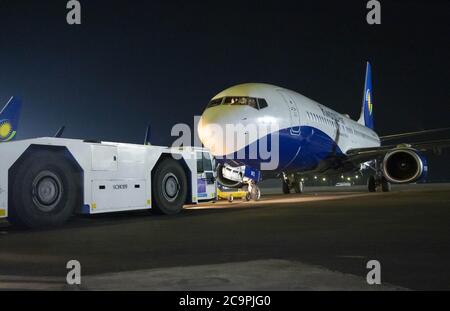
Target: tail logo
point(6, 131)
point(369, 101)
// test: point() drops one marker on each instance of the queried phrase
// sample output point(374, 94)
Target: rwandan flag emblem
point(6, 131)
point(369, 101)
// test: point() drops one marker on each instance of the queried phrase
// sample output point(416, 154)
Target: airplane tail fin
point(9, 119)
point(366, 117)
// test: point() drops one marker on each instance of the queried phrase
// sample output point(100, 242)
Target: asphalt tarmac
point(324, 238)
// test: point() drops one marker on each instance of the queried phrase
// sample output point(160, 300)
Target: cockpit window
point(257, 103)
point(215, 102)
point(262, 103)
point(235, 101)
point(252, 102)
point(242, 101)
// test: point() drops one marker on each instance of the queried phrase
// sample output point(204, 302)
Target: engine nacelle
point(404, 166)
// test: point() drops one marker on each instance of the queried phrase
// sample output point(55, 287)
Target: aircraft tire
point(285, 187)
point(385, 185)
point(256, 193)
point(298, 187)
point(372, 184)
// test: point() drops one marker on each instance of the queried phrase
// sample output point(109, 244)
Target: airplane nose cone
point(214, 126)
point(209, 130)
point(225, 130)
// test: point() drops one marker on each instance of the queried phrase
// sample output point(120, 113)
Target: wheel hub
point(171, 187)
point(46, 191)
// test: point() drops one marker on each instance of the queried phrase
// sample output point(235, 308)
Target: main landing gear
point(378, 181)
point(290, 182)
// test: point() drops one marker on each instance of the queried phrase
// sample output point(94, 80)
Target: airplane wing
point(413, 134)
point(363, 155)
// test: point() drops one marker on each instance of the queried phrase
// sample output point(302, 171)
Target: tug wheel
point(45, 191)
point(169, 187)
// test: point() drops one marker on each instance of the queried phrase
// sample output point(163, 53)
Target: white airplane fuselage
point(311, 137)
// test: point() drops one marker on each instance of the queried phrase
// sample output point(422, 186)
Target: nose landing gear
point(253, 192)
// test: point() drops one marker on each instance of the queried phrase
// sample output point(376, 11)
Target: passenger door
point(294, 113)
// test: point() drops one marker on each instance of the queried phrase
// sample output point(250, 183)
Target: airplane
point(311, 139)
point(9, 119)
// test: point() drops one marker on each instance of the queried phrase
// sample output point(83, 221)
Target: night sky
point(133, 63)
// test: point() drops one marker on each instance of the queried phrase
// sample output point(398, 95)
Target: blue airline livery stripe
point(297, 152)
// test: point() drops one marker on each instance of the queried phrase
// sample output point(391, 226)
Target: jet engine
point(404, 166)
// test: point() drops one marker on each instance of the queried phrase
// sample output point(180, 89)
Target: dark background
point(132, 63)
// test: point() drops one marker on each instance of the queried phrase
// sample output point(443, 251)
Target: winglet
point(366, 117)
point(9, 119)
